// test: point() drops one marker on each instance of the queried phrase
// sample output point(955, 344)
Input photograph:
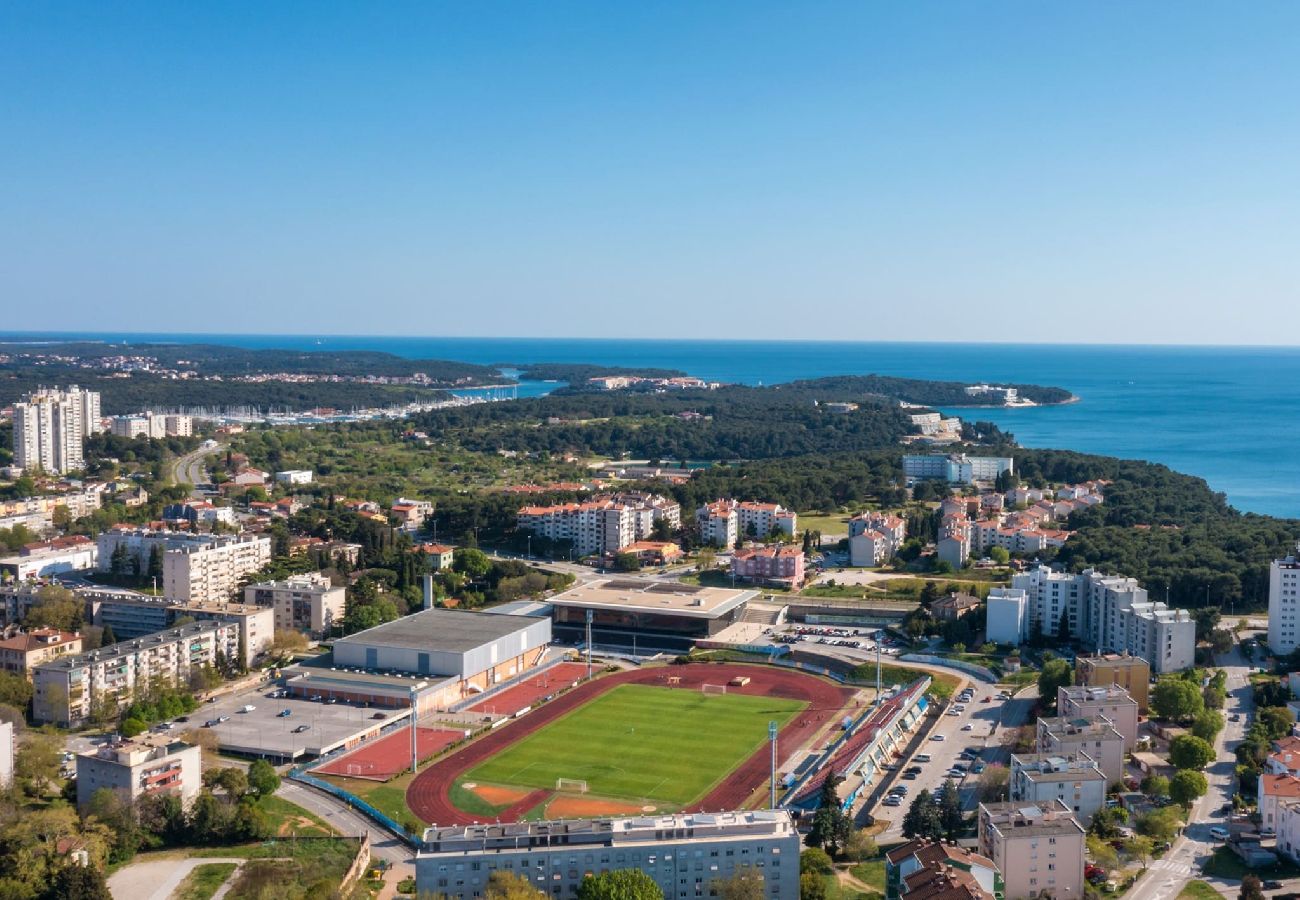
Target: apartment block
point(133, 615)
point(65, 689)
point(602, 525)
point(306, 603)
point(774, 563)
point(1133, 673)
point(50, 429)
point(683, 853)
point(1110, 701)
point(1074, 779)
point(212, 572)
point(1097, 737)
point(875, 538)
point(957, 468)
point(1038, 848)
point(1284, 605)
point(24, 652)
point(141, 767)
point(1007, 615)
point(47, 561)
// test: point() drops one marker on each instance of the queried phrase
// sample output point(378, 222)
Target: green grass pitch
point(642, 742)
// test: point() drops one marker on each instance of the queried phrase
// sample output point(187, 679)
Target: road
point(347, 821)
point(1167, 876)
point(987, 722)
point(190, 468)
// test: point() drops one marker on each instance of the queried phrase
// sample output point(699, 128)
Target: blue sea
point(1222, 413)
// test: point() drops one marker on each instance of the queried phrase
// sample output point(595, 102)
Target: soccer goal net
point(571, 785)
point(713, 689)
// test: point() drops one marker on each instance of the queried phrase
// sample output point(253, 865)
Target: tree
point(860, 846)
point(922, 818)
point(1277, 721)
point(1176, 699)
point(1186, 786)
point(1000, 555)
point(234, 781)
point(830, 825)
point(155, 569)
point(993, 782)
point(745, 884)
point(1251, 888)
point(1102, 853)
point(286, 642)
point(1190, 752)
point(1155, 786)
point(816, 861)
point(627, 562)
point(1208, 725)
point(1056, 673)
point(1160, 824)
point(262, 778)
point(107, 637)
point(950, 815)
point(621, 884)
point(79, 883)
point(1063, 627)
point(1139, 847)
point(56, 607)
point(471, 562)
point(509, 886)
point(15, 690)
point(1221, 640)
point(812, 887)
point(37, 761)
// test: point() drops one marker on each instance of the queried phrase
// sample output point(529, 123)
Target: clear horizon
point(1107, 173)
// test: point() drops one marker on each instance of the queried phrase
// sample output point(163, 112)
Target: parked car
point(968, 727)
point(377, 716)
point(1219, 833)
point(1272, 885)
point(284, 714)
point(210, 723)
point(922, 757)
point(301, 728)
point(247, 708)
point(937, 737)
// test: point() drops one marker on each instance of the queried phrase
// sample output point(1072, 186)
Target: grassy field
point(1199, 890)
point(641, 742)
point(203, 881)
point(942, 684)
point(303, 875)
point(389, 797)
point(288, 819)
point(1226, 864)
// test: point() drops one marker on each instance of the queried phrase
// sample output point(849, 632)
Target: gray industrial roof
point(448, 630)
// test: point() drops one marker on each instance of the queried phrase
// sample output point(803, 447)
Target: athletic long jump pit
point(690, 737)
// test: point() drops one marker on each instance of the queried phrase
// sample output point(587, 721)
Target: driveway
point(155, 879)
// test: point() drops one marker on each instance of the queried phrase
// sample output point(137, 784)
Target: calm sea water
point(1224, 414)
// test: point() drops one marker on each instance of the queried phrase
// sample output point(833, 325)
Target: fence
point(358, 804)
point(358, 867)
point(979, 672)
point(505, 685)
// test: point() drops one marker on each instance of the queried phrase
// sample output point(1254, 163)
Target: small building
point(1012, 834)
point(24, 652)
point(1096, 737)
point(411, 514)
point(1274, 791)
point(1113, 702)
point(1076, 780)
point(954, 606)
point(139, 767)
point(306, 603)
point(53, 561)
point(294, 476)
point(776, 564)
point(1133, 673)
point(654, 553)
point(973, 875)
point(440, 556)
point(1007, 617)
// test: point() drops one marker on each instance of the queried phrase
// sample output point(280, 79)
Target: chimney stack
point(427, 584)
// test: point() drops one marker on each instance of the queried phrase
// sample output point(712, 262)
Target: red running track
point(521, 696)
point(429, 794)
point(391, 754)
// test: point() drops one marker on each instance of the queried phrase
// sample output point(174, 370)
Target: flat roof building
point(472, 651)
point(683, 853)
point(653, 613)
point(1111, 701)
point(1074, 779)
point(1133, 673)
point(1038, 848)
point(137, 615)
point(306, 603)
point(145, 765)
point(1096, 736)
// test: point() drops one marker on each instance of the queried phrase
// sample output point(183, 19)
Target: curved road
point(191, 468)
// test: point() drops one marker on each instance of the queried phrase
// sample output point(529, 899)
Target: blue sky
point(931, 171)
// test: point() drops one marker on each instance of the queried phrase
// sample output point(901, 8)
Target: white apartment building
point(957, 468)
point(1284, 605)
point(212, 573)
point(601, 525)
point(307, 603)
point(739, 519)
point(1111, 701)
point(66, 688)
point(874, 538)
point(1074, 779)
point(1096, 737)
point(719, 524)
point(197, 568)
point(140, 767)
point(50, 429)
point(294, 476)
point(1108, 613)
point(50, 561)
point(683, 853)
point(1038, 848)
point(1007, 615)
point(152, 425)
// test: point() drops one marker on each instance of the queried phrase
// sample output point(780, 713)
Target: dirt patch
point(581, 807)
point(291, 825)
point(497, 796)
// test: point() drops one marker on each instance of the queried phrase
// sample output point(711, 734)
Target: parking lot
point(310, 728)
point(971, 731)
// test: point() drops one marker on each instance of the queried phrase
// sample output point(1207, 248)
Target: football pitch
point(642, 742)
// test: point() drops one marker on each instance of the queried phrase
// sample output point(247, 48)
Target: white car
point(1219, 833)
point(967, 727)
point(937, 737)
point(247, 708)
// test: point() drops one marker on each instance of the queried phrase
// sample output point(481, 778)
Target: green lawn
point(1199, 890)
point(288, 818)
point(203, 881)
point(642, 742)
point(871, 872)
point(1226, 864)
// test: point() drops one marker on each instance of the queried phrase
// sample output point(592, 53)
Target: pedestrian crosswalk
point(1173, 866)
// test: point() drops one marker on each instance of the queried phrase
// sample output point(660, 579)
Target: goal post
point(570, 785)
point(713, 689)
